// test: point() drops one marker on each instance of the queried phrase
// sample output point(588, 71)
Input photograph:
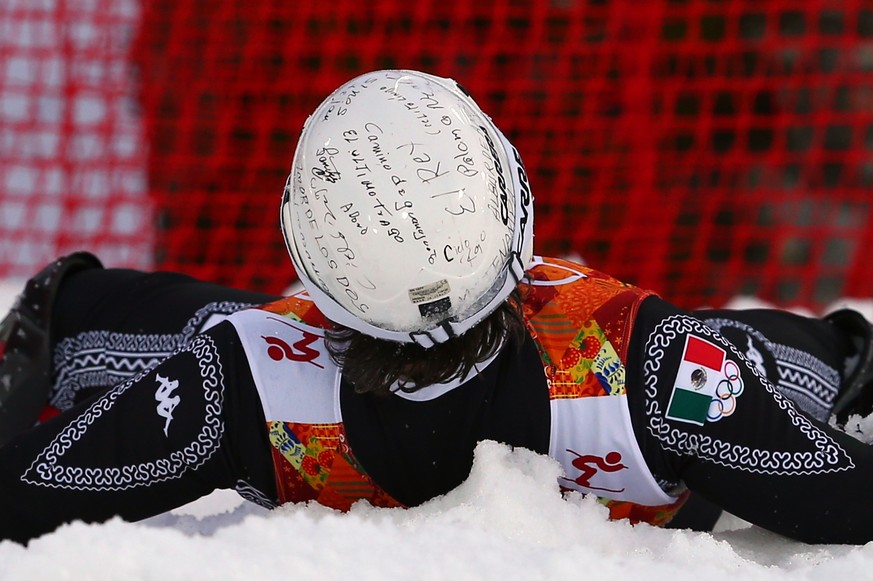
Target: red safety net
point(702, 148)
point(72, 155)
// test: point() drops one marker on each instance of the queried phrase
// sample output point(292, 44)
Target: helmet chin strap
point(428, 339)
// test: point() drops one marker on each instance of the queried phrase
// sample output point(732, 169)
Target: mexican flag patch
point(702, 382)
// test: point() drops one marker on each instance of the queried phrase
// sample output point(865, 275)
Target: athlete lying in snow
point(427, 326)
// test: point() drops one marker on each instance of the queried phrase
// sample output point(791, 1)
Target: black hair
point(375, 365)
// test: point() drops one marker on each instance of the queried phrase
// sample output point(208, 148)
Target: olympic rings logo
point(724, 402)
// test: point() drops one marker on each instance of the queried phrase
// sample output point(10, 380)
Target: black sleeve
point(108, 325)
point(803, 357)
point(751, 450)
point(152, 443)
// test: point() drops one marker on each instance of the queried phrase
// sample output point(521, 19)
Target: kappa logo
point(167, 402)
point(60, 464)
point(755, 356)
point(591, 464)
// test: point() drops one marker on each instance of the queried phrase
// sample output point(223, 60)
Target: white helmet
point(407, 214)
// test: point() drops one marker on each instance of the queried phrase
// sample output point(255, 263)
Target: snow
point(507, 521)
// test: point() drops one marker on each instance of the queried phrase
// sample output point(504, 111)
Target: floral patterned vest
point(581, 321)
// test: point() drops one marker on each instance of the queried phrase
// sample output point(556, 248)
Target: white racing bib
point(592, 439)
point(295, 377)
